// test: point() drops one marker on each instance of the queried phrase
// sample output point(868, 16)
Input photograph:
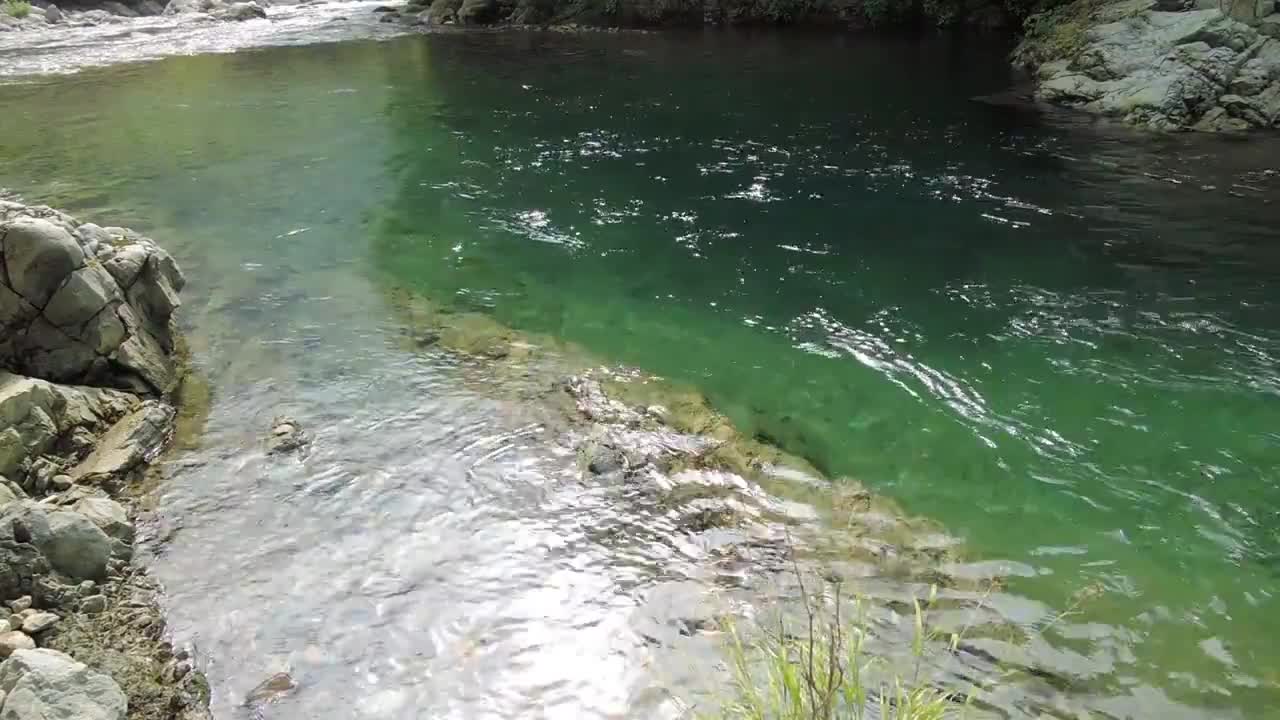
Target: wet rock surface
point(286, 436)
point(91, 307)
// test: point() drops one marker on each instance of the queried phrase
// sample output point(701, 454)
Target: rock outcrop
point(87, 359)
point(1198, 69)
point(84, 304)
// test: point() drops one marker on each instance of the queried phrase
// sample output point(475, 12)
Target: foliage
point(820, 671)
point(1057, 32)
point(16, 8)
point(873, 13)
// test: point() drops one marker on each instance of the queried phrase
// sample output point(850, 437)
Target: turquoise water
point(1057, 338)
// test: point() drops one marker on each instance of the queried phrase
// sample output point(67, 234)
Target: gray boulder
point(242, 11)
point(48, 685)
point(79, 304)
point(73, 545)
point(108, 515)
point(52, 14)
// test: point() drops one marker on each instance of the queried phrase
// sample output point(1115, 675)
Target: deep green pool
point(1058, 338)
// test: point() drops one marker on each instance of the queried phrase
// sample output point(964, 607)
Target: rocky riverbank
point(88, 360)
point(1202, 68)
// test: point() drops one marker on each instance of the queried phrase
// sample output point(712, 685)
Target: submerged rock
point(286, 436)
point(271, 689)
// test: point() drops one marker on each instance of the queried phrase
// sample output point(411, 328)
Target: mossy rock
point(443, 12)
point(477, 12)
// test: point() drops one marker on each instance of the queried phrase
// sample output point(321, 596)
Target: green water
point(1058, 339)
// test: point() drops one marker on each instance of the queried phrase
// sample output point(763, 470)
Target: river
point(1057, 338)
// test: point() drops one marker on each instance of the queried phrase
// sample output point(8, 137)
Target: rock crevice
point(84, 305)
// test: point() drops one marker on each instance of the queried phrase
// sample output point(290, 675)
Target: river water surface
point(1057, 339)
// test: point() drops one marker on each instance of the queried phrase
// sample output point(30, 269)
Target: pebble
point(14, 640)
point(39, 622)
point(20, 604)
point(93, 604)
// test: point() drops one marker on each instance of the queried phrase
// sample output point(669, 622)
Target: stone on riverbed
point(271, 689)
point(48, 685)
point(286, 435)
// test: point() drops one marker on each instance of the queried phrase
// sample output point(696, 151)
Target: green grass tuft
point(16, 8)
point(818, 670)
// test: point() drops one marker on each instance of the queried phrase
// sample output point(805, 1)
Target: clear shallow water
point(1057, 339)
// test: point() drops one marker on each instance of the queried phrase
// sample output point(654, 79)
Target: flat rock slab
point(129, 444)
